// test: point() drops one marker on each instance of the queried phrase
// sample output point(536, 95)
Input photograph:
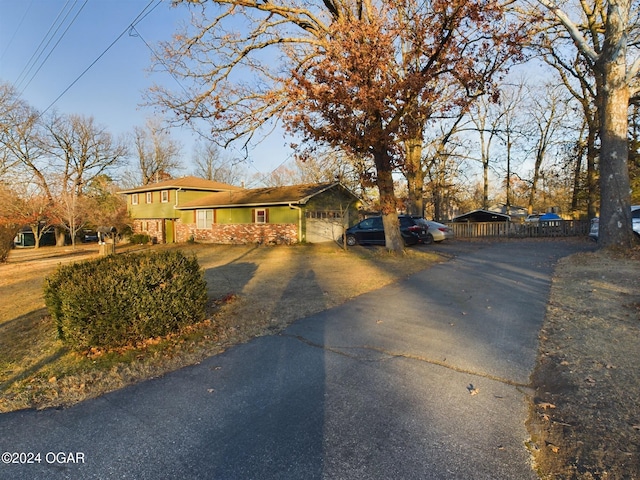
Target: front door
point(168, 231)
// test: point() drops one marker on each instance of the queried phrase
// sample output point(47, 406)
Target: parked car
point(417, 225)
point(532, 218)
point(437, 232)
point(635, 219)
point(89, 236)
point(370, 231)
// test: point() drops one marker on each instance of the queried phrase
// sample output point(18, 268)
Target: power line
point(56, 44)
point(45, 42)
point(133, 32)
point(13, 37)
point(138, 18)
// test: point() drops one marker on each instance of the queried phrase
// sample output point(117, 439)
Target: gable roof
point(188, 183)
point(299, 194)
point(482, 216)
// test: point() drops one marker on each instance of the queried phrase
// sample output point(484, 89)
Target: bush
point(119, 300)
point(140, 239)
point(7, 234)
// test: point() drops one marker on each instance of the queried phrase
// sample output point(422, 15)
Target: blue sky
point(111, 90)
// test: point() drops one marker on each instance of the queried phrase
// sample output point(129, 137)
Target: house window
point(164, 196)
point(134, 199)
point(204, 219)
point(149, 197)
point(261, 216)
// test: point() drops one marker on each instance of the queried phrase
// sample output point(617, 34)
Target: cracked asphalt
point(424, 379)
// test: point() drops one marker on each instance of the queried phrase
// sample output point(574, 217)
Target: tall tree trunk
point(534, 183)
point(592, 174)
point(388, 201)
point(577, 170)
point(414, 176)
point(35, 229)
point(615, 215)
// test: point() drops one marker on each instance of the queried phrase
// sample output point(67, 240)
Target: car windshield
point(368, 223)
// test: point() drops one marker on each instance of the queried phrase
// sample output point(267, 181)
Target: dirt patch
point(585, 420)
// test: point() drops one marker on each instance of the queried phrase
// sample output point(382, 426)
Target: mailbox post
point(107, 240)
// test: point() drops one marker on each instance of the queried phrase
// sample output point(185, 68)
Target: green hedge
point(119, 300)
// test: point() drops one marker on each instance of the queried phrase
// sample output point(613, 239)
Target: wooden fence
point(554, 228)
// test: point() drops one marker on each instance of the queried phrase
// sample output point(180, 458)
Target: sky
point(47, 45)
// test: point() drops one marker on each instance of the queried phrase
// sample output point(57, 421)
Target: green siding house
point(153, 207)
point(220, 213)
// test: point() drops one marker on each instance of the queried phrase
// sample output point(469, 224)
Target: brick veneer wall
point(153, 228)
point(243, 233)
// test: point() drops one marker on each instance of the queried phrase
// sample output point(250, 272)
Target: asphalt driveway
point(423, 379)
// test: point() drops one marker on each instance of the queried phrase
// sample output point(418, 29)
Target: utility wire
point(133, 32)
point(13, 37)
point(45, 42)
point(138, 18)
point(54, 47)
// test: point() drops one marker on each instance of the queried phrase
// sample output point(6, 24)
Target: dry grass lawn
point(253, 290)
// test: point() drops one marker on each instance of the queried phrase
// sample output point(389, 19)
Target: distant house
point(192, 208)
point(482, 216)
point(26, 238)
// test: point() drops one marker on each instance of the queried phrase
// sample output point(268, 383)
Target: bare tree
point(211, 164)
point(498, 122)
point(23, 141)
point(11, 110)
point(79, 150)
point(158, 155)
point(606, 36)
point(442, 165)
point(83, 150)
point(578, 79)
point(486, 119)
point(546, 109)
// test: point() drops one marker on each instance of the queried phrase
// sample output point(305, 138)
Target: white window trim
point(134, 199)
point(263, 215)
point(206, 222)
point(149, 197)
point(164, 196)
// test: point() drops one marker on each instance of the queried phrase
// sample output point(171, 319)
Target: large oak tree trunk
point(388, 201)
point(615, 216)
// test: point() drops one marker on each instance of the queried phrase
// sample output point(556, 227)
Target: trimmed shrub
point(140, 239)
point(120, 300)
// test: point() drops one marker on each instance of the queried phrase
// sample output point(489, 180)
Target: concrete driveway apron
point(423, 379)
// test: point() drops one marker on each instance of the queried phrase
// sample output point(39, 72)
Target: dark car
point(89, 236)
point(370, 231)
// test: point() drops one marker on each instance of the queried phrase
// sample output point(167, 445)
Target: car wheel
point(351, 240)
point(428, 240)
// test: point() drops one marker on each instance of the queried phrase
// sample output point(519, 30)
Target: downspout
point(175, 206)
point(299, 220)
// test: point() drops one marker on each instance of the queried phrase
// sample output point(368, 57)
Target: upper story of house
point(162, 199)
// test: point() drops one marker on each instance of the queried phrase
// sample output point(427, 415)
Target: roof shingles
point(260, 196)
point(188, 182)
